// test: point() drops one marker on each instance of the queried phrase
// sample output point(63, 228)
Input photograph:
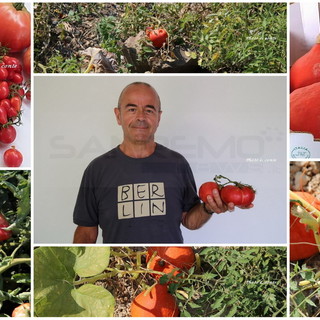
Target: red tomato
point(17, 78)
point(12, 112)
point(7, 134)
point(5, 103)
point(158, 36)
point(12, 157)
point(3, 115)
point(206, 189)
point(4, 90)
point(240, 196)
point(4, 234)
point(3, 73)
point(28, 95)
point(16, 103)
point(22, 311)
point(302, 241)
point(15, 27)
point(26, 60)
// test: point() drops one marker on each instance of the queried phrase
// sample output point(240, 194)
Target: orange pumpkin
point(158, 302)
point(302, 241)
point(169, 258)
point(306, 70)
point(305, 110)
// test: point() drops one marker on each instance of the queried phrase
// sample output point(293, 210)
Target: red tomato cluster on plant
point(12, 93)
point(242, 195)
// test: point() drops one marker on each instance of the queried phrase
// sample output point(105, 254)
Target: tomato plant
point(15, 251)
point(15, 26)
point(12, 157)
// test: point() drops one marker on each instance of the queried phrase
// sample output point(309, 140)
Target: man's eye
point(150, 111)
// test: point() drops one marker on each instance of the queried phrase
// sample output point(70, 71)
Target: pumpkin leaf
point(94, 260)
point(54, 291)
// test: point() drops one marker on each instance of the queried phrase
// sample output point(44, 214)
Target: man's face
point(139, 114)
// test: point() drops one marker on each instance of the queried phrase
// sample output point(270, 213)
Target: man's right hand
point(215, 204)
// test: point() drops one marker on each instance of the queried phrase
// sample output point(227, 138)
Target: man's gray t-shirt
point(136, 200)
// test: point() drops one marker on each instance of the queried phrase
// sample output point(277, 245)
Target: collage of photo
point(167, 162)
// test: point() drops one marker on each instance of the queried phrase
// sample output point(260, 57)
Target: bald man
point(140, 191)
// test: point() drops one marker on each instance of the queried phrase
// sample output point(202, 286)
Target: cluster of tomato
point(15, 38)
point(241, 195)
point(12, 92)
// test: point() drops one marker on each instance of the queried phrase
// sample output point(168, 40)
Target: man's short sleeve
point(86, 211)
point(190, 190)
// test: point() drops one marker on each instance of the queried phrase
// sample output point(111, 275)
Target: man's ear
point(117, 113)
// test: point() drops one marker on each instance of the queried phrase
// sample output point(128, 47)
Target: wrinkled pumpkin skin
point(158, 302)
point(306, 70)
point(305, 110)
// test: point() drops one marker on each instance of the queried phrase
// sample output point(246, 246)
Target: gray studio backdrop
point(229, 125)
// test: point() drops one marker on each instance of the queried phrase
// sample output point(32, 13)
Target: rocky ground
point(305, 176)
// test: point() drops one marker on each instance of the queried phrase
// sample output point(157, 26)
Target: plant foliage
point(225, 281)
point(15, 252)
point(222, 37)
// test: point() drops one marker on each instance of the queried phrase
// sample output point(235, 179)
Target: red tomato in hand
point(240, 196)
point(12, 157)
point(206, 190)
point(302, 241)
point(15, 27)
point(26, 61)
point(7, 134)
point(4, 234)
point(22, 311)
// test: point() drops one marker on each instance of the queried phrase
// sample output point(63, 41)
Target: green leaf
point(54, 292)
point(93, 261)
point(96, 301)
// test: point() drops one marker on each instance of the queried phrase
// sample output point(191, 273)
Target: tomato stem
point(18, 6)
point(236, 183)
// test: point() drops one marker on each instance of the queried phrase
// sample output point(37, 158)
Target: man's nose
point(141, 114)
